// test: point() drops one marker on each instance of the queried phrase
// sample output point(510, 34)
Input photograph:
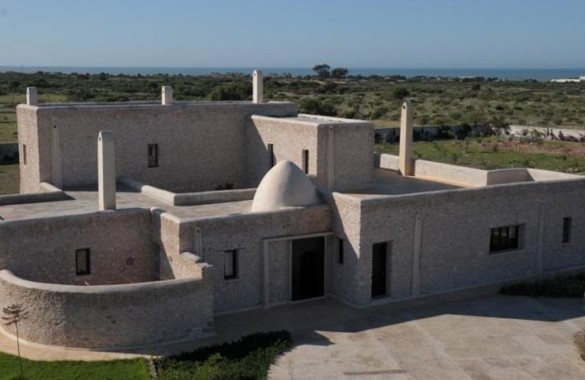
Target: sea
point(501, 73)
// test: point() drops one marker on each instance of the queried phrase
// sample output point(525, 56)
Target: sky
point(294, 33)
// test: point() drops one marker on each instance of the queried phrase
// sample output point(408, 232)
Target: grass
point(135, 369)
point(247, 358)
point(562, 286)
point(493, 153)
point(9, 179)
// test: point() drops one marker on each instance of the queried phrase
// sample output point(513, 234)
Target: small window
point(82, 262)
point(340, 252)
point(306, 161)
point(271, 155)
point(567, 227)
point(152, 155)
point(24, 154)
point(504, 238)
point(230, 265)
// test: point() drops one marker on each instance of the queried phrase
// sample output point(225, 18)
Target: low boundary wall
point(470, 177)
point(189, 199)
point(109, 316)
point(49, 193)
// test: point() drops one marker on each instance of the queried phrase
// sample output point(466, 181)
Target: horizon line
point(305, 67)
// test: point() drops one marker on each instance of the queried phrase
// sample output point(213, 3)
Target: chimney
point(167, 95)
point(406, 132)
point(31, 96)
point(106, 171)
point(258, 86)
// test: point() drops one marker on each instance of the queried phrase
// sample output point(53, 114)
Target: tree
point(315, 106)
point(339, 72)
point(400, 93)
point(322, 70)
point(12, 315)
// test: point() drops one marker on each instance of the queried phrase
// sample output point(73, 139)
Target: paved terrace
point(86, 201)
point(389, 182)
point(490, 337)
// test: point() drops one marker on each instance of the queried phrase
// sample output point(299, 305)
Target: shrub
point(562, 286)
point(400, 93)
point(247, 358)
point(232, 91)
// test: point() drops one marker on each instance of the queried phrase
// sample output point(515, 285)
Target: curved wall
point(43, 249)
point(108, 316)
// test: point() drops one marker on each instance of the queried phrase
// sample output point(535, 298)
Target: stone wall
point(340, 150)
point(189, 136)
point(209, 238)
point(110, 316)
point(289, 138)
point(43, 249)
point(455, 234)
point(347, 279)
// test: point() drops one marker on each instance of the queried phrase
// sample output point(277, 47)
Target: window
point(271, 154)
point(340, 251)
point(152, 155)
point(567, 227)
point(306, 161)
point(230, 266)
point(82, 263)
point(24, 154)
point(504, 238)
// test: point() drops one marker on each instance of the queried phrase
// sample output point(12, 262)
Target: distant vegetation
point(442, 102)
point(335, 92)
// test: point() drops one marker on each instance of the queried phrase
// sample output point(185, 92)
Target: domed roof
point(285, 185)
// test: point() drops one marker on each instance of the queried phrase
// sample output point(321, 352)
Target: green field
point(9, 179)
point(497, 153)
point(438, 101)
point(136, 369)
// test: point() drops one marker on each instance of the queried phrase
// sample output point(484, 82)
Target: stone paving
point(490, 337)
point(495, 337)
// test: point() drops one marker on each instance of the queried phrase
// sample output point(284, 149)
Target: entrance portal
point(308, 267)
point(379, 264)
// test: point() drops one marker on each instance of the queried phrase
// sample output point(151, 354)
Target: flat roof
point(390, 182)
point(86, 201)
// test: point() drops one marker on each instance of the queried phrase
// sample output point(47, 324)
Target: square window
point(567, 227)
point(82, 262)
point(504, 238)
point(152, 155)
point(230, 266)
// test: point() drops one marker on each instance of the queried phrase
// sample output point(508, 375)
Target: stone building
point(137, 223)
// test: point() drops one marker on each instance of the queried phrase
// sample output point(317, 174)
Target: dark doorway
point(379, 258)
point(308, 268)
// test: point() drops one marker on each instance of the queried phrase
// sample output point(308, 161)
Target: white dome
point(285, 185)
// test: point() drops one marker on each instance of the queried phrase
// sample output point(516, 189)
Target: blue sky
point(294, 33)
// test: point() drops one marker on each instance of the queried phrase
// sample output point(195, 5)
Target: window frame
point(505, 238)
point(234, 264)
point(567, 230)
point(87, 253)
point(271, 157)
point(306, 161)
point(152, 159)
